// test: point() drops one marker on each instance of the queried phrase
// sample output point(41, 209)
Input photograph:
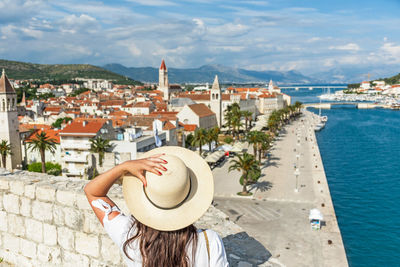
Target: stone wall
point(47, 221)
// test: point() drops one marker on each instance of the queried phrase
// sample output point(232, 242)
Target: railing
point(75, 158)
point(83, 146)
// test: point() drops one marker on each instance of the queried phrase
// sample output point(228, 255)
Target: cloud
point(346, 47)
point(153, 2)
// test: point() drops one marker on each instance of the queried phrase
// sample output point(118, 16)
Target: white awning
point(315, 214)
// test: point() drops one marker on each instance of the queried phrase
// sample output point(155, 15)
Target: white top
point(118, 227)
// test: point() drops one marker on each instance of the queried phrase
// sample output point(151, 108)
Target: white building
point(199, 115)
point(9, 122)
point(75, 144)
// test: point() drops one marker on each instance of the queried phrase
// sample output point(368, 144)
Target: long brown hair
point(162, 248)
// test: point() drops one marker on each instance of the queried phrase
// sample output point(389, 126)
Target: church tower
point(9, 129)
point(216, 100)
point(163, 84)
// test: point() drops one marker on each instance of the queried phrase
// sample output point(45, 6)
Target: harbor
point(277, 215)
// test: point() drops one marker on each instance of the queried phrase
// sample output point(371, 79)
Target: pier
point(359, 105)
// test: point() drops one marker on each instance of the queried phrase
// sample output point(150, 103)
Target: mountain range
point(23, 70)
point(207, 73)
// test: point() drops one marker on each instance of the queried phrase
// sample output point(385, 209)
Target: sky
point(307, 36)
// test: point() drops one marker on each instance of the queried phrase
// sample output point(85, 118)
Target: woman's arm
point(98, 187)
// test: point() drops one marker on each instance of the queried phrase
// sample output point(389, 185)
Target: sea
point(360, 149)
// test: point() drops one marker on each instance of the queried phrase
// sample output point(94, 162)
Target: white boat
point(324, 118)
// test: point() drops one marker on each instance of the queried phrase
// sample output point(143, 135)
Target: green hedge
point(51, 168)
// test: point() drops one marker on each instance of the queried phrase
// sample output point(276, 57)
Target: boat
point(324, 118)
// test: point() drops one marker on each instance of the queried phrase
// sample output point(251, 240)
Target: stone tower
point(216, 100)
point(163, 84)
point(9, 129)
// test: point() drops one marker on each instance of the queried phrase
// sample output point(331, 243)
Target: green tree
point(99, 145)
point(60, 121)
point(247, 117)
point(189, 140)
point(246, 163)
point(200, 138)
point(41, 143)
point(5, 150)
point(263, 145)
point(254, 137)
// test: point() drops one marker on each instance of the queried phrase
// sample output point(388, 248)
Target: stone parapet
point(47, 221)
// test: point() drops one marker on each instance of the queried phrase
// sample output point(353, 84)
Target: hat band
point(174, 207)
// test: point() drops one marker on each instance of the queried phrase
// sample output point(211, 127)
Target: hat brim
point(194, 206)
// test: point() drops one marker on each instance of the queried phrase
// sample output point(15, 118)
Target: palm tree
point(298, 105)
point(236, 124)
point(99, 145)
point(263, 145)
point(200, 138)
point(5, 150)
point(247, 116)
point(246, 163)
point(253, 137)
point(41, 143)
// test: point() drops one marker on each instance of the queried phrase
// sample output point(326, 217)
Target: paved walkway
point(277, 214)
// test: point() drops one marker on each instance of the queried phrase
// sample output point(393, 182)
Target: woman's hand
point(139, 167)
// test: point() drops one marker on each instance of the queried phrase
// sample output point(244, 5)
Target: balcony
point(75, 158)
point(75, 145)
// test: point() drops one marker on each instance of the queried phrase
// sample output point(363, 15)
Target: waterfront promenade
point(277, 215)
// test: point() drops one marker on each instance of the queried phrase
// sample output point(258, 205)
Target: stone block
point(48, 254)
point(45, 193)
point(34, 230)
point(23, 261)
point(4, 184)
point(26, 207)
point(82, 202)
point(11, 242)
point(73, 217)
point(11, 203)
point(97, 263)
point(66, 198)
point(87, 244)
point(49, 234)
point(109, 251)
point(73, 260)
point(30, 191)
point(65, 238)
point(28, 248)
point(17, 187)
point(42, 211)
point(3, 221)
point(92, 224)
point(16, 225)
point(58, 215)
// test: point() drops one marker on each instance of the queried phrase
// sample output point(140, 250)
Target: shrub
point(228, 139)
point(51, 168)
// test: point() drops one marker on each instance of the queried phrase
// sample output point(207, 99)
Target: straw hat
point(175, 199)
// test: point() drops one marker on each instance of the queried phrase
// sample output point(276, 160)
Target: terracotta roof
point(5, 85)
point(120, 113)
point(163, 67)
point(52, 109)
point(142, 104)
point(77, 127)
point(201, 110)
point(51, 133)
point(168, 126)
point(189, 127)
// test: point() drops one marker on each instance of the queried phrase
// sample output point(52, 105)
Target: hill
point(44, 72)
point(207, 73)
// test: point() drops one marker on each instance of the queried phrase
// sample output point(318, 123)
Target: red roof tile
point(77, 127)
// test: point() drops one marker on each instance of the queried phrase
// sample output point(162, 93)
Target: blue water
point(361, 154)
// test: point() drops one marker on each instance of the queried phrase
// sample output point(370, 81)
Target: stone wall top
point(46, 220)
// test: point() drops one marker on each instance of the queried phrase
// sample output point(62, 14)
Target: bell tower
point(163, 84)
point(9, 129)
point(216, 100)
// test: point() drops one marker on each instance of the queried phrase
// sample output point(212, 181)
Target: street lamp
point(297, 173)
